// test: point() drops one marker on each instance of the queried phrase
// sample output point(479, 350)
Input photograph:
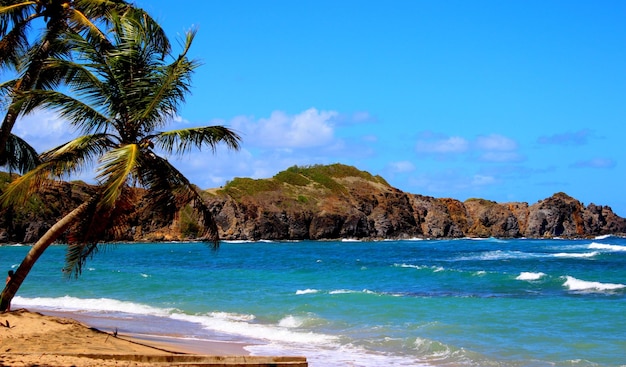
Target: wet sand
point(31, 338)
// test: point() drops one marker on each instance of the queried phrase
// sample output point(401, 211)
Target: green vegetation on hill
point(240, 187)
point(337, 170)
point(295, 177)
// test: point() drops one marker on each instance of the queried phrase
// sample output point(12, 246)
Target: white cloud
point(501, 157)
point(401, 167)
point(495, 142)
point(44, 130)
point(362, 116)
point(481, 180)
point(453, 144)
point(595, 163)
point(486, 148)
point(311, 128)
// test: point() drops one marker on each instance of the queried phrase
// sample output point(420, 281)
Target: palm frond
point(14, 13)
point(76, 256)
point(183, 140)
point(21, 156)
point(12, 45)
point(168, 190)
point(20, 189)
point(72, 156)
point(171, 87)
point(6, 88)
point(158, 38)
point(55, 164)
point(115, 169)
point(83, 24)
point(77, 112)
point(97, 224)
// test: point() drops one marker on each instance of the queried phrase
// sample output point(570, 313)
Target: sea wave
point(497, 255)
point(574, 284)
point(434, 268)
point(349, 291)
point(336, 355)
point(299, 321)
point(576, 255)
point(306, 291)
point(68, 303)
point(529, 276)
point(266, 332)
point(602, 246)
point(603, 237)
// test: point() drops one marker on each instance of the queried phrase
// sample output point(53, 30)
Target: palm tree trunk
point(35, 252)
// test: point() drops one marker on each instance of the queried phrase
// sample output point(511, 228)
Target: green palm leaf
point(23, 157)
point(183, 140)
point(74, 155)
point(115, 170)
point(168, 190)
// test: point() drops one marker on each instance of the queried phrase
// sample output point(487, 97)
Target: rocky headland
point(330, 202)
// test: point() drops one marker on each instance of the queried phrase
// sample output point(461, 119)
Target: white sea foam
point(68, 303)
point(342, 291)
point(434, 268)
point(306, 291)
point(530, 276)
point(349, 291)
point(266, 332)
point(232, 316)
point(335, 355)
point(574, 284)
point(576, 255)
point(229, 323)
point(603, 237)
point(602, 246)
point(350, 240)
point(291, 321)
point(419, 267)
point(498, 255)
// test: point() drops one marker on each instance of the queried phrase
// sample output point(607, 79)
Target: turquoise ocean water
point(458, 302)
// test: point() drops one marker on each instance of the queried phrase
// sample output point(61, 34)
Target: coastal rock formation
point(337, 201)
point(330, 202)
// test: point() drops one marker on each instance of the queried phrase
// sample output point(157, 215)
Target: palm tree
point(61, 17)
point(120, 98)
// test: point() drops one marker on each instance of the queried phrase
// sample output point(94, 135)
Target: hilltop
point(330, 202)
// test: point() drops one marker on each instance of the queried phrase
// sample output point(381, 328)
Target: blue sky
point(502, 100)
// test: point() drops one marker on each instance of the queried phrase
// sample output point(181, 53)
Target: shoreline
point(171, 340)
point(56, 338)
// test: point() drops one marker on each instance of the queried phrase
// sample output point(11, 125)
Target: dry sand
point(32, 339)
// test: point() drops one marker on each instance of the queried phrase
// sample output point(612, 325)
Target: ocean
point(462, 302)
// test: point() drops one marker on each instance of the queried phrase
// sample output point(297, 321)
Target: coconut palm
point(120, 98)
point(28, 60)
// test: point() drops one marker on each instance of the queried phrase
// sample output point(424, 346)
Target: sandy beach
point(33, 339)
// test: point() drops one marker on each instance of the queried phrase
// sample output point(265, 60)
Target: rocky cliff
point(337, 201)
point(330, 202)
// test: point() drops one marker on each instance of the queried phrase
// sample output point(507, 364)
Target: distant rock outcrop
point(331, 202)
point(337, 201)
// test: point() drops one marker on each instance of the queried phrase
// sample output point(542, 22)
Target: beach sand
point(33, 339)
